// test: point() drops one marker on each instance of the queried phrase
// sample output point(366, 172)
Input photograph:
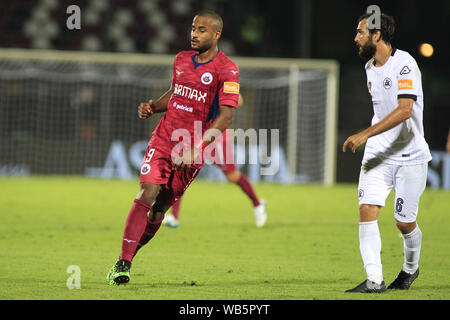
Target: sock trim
point(368, 222)
point(412, 233)
point(143, 203)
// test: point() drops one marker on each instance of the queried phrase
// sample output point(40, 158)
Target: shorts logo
point(387, 83)
point(405, 84)
point(231, 87)
point(207, 78)
point(360, 194)
point(145, 169)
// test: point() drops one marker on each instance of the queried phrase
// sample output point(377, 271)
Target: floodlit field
point(308, 249)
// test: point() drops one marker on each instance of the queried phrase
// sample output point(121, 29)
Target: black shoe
point(369, 287)
point(119, 273)
point(403, 280)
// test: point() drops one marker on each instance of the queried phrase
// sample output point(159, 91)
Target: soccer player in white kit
point(396, 154)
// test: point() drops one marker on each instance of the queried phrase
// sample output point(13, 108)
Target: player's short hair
point(214, 16)
point(387, 26)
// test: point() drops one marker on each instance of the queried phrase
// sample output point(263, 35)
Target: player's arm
point(146, 109)
point(398, 115)
point(222, 122)
point(240, 101)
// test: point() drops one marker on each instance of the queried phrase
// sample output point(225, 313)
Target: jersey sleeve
point(409, 79)
point(174, 73)
point(229, 86)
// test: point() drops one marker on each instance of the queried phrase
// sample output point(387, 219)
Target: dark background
point(318, 29)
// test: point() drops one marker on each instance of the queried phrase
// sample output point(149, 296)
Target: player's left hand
point(145, 110)
point(355, 141)
point(186, 159)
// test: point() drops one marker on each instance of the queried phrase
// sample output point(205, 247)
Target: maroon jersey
point(198, 91)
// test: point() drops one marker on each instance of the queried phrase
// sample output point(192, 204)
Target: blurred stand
point(319, 29)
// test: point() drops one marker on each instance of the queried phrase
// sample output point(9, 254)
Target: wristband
point(201, 145)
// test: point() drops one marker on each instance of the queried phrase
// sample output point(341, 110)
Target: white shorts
point(409, 182)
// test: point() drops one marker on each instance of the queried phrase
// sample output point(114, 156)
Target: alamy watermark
point(74, 280)
point(225, 141)
point(374, 21)
point(74, 20)
point(220, 151)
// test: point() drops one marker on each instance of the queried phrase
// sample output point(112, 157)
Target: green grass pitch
point(308, 249)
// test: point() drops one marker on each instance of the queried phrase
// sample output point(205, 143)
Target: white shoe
point(170, 221)
point(260, 214)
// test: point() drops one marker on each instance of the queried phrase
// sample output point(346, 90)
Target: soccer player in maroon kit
point(225, 162)
point(205, 91)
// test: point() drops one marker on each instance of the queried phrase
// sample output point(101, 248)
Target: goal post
point(71, 112)
point(297, 75)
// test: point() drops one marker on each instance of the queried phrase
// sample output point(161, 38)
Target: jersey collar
point(392, 54)
point(198, 64)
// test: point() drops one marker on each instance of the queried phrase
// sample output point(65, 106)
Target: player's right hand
point(145, 110)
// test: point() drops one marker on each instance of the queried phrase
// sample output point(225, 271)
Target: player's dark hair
point(213, 15)
point(387, 26)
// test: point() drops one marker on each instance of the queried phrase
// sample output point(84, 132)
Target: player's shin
point(370, 248)
point(412, 243)
point(134, 228)
point(247, 187)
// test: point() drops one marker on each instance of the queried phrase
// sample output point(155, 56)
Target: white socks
point(412, 243)
point(370, 247)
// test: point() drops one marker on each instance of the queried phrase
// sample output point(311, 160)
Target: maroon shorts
point(222, 155)
point(156, 168)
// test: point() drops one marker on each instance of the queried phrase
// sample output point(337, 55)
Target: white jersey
point(399, 77)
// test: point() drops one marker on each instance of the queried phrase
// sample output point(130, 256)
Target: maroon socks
point(246, 186)
point(135, 229)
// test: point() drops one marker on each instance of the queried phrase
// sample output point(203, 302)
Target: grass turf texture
point(308, 249)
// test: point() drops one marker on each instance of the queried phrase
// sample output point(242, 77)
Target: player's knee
point(368, 212)
point(233, 176)
point(406, 227)
point(148, 192)
point(155, 216)
point(158, 210)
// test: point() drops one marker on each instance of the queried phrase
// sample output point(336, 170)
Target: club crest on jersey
point(387, 83)
point(207, 78)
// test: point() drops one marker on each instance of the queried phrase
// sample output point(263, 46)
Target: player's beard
point(367, 51)
point(202, 47)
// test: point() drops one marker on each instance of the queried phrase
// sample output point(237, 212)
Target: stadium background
point(296, 29)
